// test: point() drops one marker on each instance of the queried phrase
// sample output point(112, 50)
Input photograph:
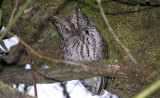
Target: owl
point(82, 42)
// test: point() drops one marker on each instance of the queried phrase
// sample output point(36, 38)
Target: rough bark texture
point(63, 73)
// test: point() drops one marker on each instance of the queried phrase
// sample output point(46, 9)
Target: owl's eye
point(62, 26)
point(78, 18)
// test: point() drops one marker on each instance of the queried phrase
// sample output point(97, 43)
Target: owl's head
point(70, 25)
point(79, 19)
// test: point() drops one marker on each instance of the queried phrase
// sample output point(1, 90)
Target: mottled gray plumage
point(82, 42)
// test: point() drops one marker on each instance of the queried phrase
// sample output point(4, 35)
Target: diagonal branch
point(13, 12)
point(113, 33)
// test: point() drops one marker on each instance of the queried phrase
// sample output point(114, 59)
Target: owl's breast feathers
point(85, 45)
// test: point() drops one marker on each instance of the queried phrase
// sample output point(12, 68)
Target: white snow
point(74, 88)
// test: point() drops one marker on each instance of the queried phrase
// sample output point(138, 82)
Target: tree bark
point(62, 73)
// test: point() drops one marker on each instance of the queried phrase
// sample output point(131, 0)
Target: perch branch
point(62, 73)
point(113, 33)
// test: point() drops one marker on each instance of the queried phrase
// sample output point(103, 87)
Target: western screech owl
point(82, 42)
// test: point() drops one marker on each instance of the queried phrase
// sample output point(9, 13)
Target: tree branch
point(62, 73)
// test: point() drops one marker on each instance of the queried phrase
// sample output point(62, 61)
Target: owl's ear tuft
point(77, 8)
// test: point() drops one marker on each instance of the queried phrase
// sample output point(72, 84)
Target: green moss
point(6, 9)
point(5, 87)
point(7, 91)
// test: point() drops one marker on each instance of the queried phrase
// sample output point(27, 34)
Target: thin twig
point(32, 72)
point(113, 33)
point(74, 87)
point(13, 11)
point(30, 62)
point(35, 86)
